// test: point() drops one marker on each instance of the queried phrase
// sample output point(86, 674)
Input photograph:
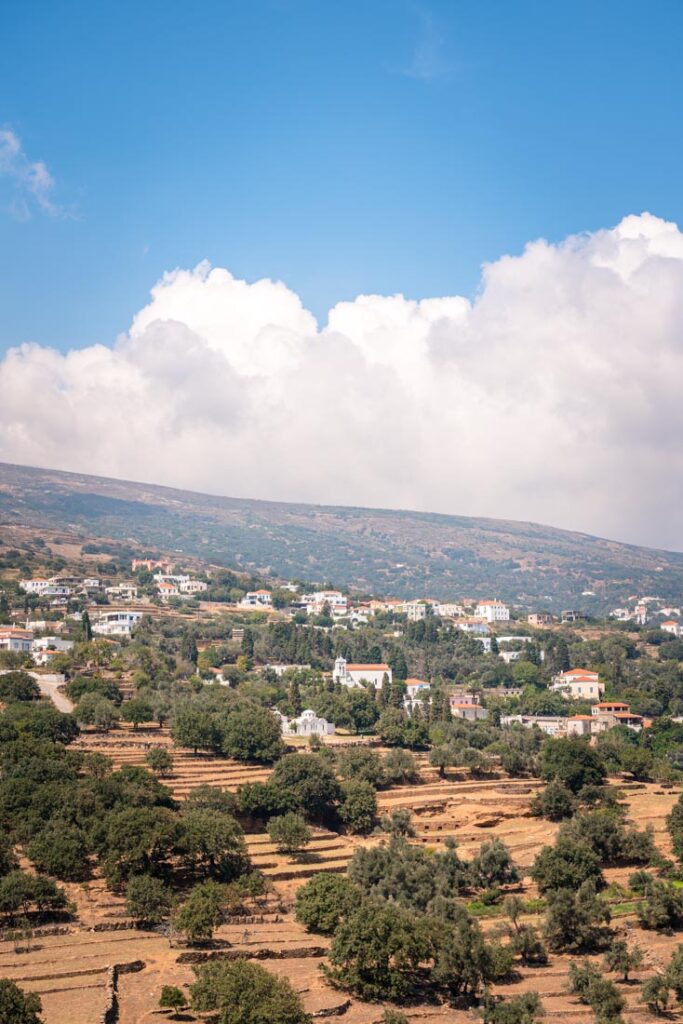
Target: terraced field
point(70, 970)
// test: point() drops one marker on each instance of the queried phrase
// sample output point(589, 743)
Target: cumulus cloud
point(554, 396)
point(31, 182)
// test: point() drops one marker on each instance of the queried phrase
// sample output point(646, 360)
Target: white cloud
point(554, 396)
point(32, 183)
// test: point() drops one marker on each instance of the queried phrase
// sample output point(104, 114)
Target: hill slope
point(383, 551)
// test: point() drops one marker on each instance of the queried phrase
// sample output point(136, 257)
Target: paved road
point(49, 689)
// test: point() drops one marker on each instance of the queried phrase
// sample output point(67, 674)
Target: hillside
point(378, 550)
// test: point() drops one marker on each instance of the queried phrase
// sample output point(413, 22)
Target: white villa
point(116, 623)
point(257, 599)
point(14, 639)
point(334, 599)
point(349, 674)
point(578, 684)
point(492, 611)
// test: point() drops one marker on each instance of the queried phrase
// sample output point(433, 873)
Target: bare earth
point(69, 971)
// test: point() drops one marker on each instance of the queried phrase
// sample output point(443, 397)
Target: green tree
point(566, 865)
point(137, 711)
point(93, 709)
point(244, 992)
point(201, 912)
point(555, 802)
point(310, 784)
point(606, 1001)
point(324, 900)
point(18, 686)
point(17, 1006)
point(61, 850)
point(194, 727)
point(575, 921)
point(359, 806)
point(674, 973)
point(361, 764)
point(581, 976)
point(662, 907)
point(289, 832)
point(377, 949)
point(213, 844)
point(572, 762)
point(251, 733)
point(172, 998)
point(655, 994)
point(159, 760)
point(622, 958)
point(493, 865)
point(147, 900)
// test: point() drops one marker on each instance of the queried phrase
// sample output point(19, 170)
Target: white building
point(469, 712)
point(279, 668)
point(122, 592)
point(167, 590)
point(551, 725)
point(192, 587)
point(334, 599)
point(578, 684)
point(448, 610)
point(415, 610)
point(120, 623)
point(307, 724)
point(35, 586)
point(356, 674)
point(257, 599)
point(417, 688)
point(14, 639)
point(492, 611)
point(673, 627)
point(45, 648)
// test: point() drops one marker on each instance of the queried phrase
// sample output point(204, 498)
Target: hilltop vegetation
point(381, 551)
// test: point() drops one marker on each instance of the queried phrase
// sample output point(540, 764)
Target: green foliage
point(566, 865)
point(581, 976)
point(251, 733)
point(138, 841)
point(244, 992)
point(213, 844)
point(377, 949)
point(399, 768)
point(361, 764)
point(572, 762)
point(61, 850)
point(289, 832)
point(172, 998)
point(159, 760)
point(359, 806)
point(93, 709)
point(137, 711)
point(574, 921)
point(324, 900)
point(397, 729)
point(17, 1006)
point(409, 875)
point(493, 865)
point(522, 1009)
point(18, 686)
point(655, 993)
point(555, 802)
point(661, 908)
point(147, 900)
point(20, 891)
point(622, 958)
point(201, 912)
point(310, 784)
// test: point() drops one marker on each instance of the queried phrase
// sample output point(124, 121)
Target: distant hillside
point(379, 550)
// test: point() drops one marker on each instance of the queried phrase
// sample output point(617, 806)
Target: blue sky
point(348, 147)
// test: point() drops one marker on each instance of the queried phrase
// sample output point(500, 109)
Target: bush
point(655, 993)
point(159, 760)
point(493, 865)
point(172, 998)
point(17, 1006)
point(662, 907)
point(243, 992)
point(289, 832)
point(324, 901)
point(147, 900)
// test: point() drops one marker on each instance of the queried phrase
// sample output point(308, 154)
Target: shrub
point(289, 832)
point(244, 992)
point(359, 806)
point(555, 802)
point(17, 1006)
point(147, 900)
point(323, 901)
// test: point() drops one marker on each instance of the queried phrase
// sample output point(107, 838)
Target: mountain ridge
point(388, 551)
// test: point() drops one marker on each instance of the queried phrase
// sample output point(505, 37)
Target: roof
point(587, 673)
point(456, 704)
point(611, 704)
point(374, 668)
point(626, 714)
point(416, 682)
point(581, 718)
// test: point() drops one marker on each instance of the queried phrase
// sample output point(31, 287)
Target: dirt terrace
point(69, 971)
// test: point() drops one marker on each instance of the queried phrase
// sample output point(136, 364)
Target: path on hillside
point(50, 689)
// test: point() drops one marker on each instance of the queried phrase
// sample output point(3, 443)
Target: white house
point(119, 623)
point(334, 599)
point(14, 639)
point(448, 610)
point(415, 610)
point(122, 592)
point(307, 724)
point(578, 684)
point(492, 611)
point(167, 590)
point(257, 599)
point(279, 668)
point(673, 627)
point(356, 674)
point(470, 712)
point(551, 725)
point(35, 586)
point(192, 587)
point(45, 648)
point(417, 688)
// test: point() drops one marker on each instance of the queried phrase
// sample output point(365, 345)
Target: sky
point(394, 253)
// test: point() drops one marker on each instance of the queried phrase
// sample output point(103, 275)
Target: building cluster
point(651, 611)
